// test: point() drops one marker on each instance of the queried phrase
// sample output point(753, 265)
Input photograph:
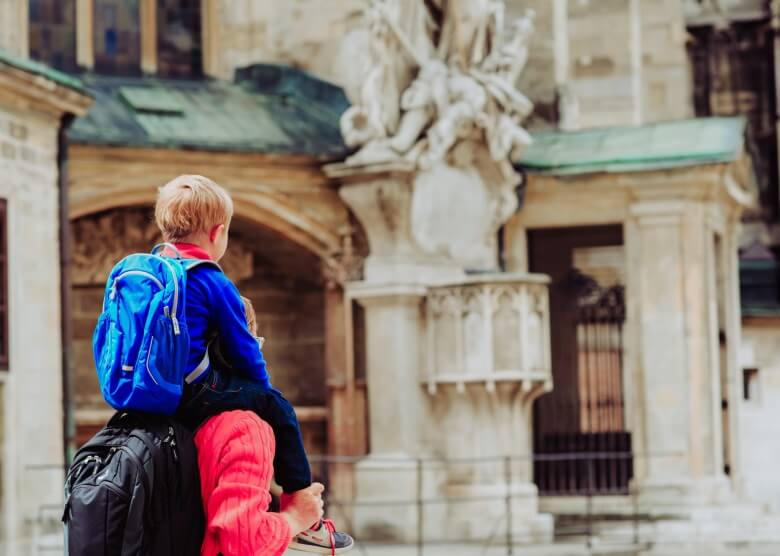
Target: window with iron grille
point(53, 33)
point(179, 46)
point(117, 37)
point(3, 287)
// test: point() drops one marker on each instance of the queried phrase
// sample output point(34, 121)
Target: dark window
point(734, 75)
point(53, 33)
point(750, 384)
point(3, 287)
point(117, 37)
point(179, 51)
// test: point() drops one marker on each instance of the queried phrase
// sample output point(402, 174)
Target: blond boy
point(194, 214)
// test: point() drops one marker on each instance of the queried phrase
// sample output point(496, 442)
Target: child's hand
point(303, 508)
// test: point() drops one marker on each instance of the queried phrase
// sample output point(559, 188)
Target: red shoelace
point(332, 534)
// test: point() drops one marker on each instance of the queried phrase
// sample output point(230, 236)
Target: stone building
point(36, 104)
point(612, 313)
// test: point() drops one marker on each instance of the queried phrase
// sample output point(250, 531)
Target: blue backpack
point(141, 342)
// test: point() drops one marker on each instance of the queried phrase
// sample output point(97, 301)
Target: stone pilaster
point(393, 324)
point(673, 303)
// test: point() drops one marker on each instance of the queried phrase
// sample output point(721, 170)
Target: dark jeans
point(224, 391)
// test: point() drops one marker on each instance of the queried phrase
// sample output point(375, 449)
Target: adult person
point(235, 457)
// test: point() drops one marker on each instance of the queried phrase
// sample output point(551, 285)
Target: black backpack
point(134, 489)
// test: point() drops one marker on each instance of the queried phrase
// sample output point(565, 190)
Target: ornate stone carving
point(464, 85)
point(489, 331)
point(448, 105)
point(345, 265)
point(100, 241)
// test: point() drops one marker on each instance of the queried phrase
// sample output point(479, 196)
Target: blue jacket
point(214, 306)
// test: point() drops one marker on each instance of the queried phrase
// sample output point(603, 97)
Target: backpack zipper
point(139, 465)
point(174, 319)
point(170, 439)
point(149, 356)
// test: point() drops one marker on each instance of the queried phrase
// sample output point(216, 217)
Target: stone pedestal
point(452, 367)
point(488, 359)
point(488, 471)
point(381, 197)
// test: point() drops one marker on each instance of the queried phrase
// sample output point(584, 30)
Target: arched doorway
point(283, 279)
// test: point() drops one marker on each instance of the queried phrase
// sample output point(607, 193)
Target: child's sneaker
point(323, 539)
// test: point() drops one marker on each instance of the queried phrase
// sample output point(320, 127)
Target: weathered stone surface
point(31, 400)
point(760, 362)
point(13, 26)
point(294, 33)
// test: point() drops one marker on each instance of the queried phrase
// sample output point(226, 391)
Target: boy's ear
point(215, 232)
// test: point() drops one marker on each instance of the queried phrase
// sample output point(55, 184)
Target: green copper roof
point(635, 149)
point(151, 100)
point(36, 68)
point(268, 109)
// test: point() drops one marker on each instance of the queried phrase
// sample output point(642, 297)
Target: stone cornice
point(36, 92)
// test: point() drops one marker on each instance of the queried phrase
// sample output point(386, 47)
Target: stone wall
point(615, 62)
point(300, 33)
point(538, 80)
point(759, 427)
point(13, 26)
point(33, 392)
point(628, 63)
point(2, 466)
point(667, 85)
point(601, 67)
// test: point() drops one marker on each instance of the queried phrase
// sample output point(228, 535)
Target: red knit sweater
point(235, 456)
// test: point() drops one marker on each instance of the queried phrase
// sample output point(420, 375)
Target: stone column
point(392, 293)
point(393, 332)
point(732, 312)
point(672, 304)
point(393, 353)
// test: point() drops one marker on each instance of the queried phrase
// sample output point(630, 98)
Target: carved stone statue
point(465, 82)
point(443, 98)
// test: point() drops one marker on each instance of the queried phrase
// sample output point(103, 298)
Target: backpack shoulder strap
point(189, 264)
point(160, 248)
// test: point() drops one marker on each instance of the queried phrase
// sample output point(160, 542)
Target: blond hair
point(191, 204)
point(251, 316)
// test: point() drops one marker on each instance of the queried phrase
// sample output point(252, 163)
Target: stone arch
point(281, 276)
point(260, 208)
